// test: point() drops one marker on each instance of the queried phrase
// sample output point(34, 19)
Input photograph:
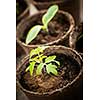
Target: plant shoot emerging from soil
point(42, 62)
point(47, 17)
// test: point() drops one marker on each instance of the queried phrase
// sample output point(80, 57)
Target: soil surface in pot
point(56, 29)
point(68, 70)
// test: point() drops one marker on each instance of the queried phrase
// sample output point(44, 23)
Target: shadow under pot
point(68, 83)
point(58, 30)
point(76, 38)
point(22, 10)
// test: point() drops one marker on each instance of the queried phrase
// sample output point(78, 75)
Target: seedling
point(40, 61)
point(47, 17)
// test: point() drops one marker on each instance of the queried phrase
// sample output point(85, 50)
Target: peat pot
point(66, 86)
point(76, 38)
point(59, 28)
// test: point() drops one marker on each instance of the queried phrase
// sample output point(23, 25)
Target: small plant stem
point(45, 29)
point(39, 58)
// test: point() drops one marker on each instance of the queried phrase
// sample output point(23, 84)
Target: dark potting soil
point(67, 71)
point(56, 29)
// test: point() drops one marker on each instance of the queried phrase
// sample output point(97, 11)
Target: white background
point(91, 25)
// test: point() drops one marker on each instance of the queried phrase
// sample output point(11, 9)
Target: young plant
point(38, 59)
point(47, 17)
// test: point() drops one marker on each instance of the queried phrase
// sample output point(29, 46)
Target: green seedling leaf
point(33, 59)
point(36, 59)
point(32, 52)
point(31, 67)
point(39, 49)
point(57, 62)
point(43, 57)
point(49, 15)
point(36, 51)
point(50, 58)
point(51, 69)
point(27, 69)
point(53, 66)
point(33, 33)
point(39, 69)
